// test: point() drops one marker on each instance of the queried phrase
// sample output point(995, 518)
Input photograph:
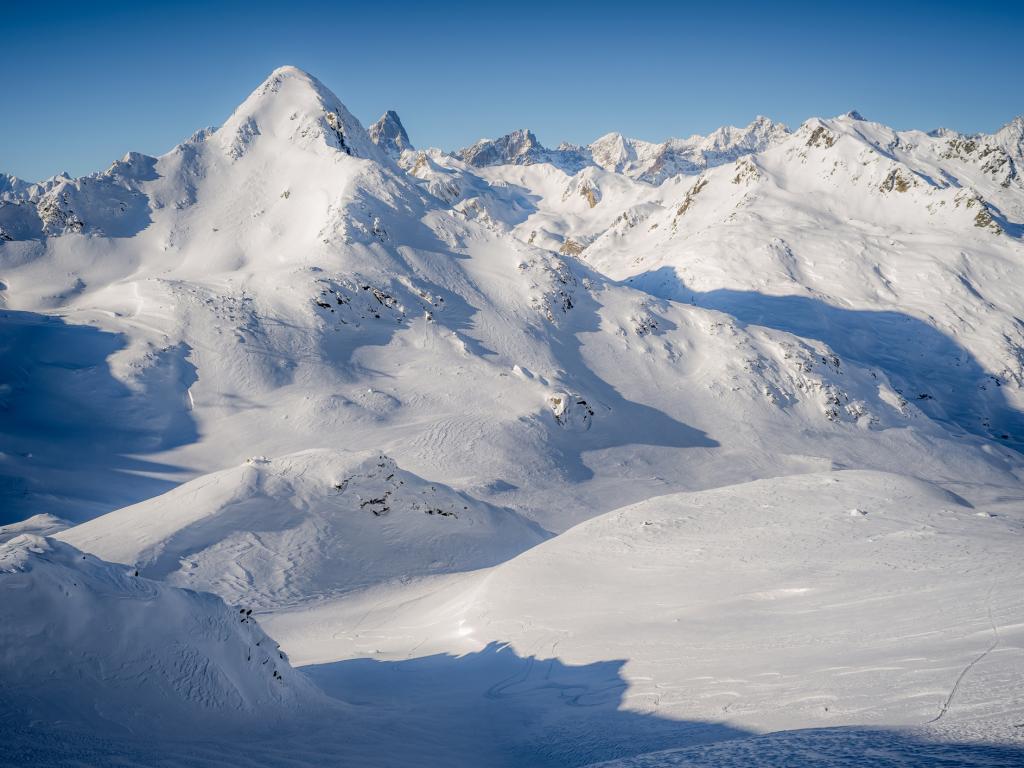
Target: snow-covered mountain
point(1010, 138)
point(637, 159)
point(11, 187)
point(90, 643)
point(303, 528)
point(389, 134)
point(519, 148)
point(407, 402)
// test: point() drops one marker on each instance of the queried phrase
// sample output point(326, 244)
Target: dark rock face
point(517, 148)
point(389, 134)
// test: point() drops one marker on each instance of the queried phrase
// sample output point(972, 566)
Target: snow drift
point(304, 527)
point(90, 644)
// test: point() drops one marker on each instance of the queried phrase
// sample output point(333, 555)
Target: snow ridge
point(146, 655)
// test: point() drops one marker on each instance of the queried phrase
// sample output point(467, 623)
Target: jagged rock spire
point(389, 134)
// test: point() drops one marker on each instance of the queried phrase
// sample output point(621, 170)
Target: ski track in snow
point(964, 672)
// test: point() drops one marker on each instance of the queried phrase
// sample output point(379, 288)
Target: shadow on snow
point(925, 365)
point(497, 708)
point(618, 421)
point(71, 433)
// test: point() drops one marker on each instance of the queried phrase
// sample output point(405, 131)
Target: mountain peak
point(520, 147)
point(1011, 138)
point(727, 143)
point(289, 70)
point(292, 78)
point(12, 185)
point(613, 151)
point(1014, 127)
point(389, 134)
point(293, 106)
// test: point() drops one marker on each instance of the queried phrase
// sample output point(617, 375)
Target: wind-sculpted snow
point(835, 748)
point(305, 527)
point(92, 645)
point(40, 525)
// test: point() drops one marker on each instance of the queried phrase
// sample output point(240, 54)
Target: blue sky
point(85, 82)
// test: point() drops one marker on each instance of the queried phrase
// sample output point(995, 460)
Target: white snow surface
point(90, 643)
point(304, 527)
point(40, 525)
point(701, 452)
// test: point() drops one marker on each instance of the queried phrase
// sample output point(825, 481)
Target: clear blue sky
point(84, 82)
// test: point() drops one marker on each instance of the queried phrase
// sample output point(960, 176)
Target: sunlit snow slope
point(304, 527)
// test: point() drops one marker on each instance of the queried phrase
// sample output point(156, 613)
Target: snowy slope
point(39, 525)
point(898, 249)
point(822, 601)
point(89, 644)
point(304, 527)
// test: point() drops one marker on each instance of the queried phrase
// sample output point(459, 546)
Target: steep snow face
point(11, 187)
point(614, 152)
point(107, 204)
point(881, 243)
point(94, 645)
point(294, 106)
point(305, 527)
point(743, 236)
point(290, 127)
point(729, 143)
point(759, 135)
point(389, 134)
